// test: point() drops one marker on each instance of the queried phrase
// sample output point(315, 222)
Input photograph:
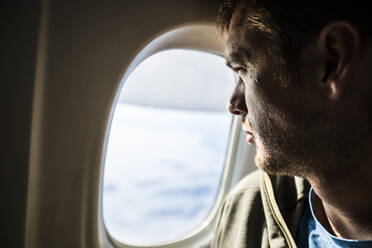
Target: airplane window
point(166, 147)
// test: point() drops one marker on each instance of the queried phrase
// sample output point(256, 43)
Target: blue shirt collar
point(340, 242)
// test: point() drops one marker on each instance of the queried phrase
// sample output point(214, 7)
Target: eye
point(240, 70)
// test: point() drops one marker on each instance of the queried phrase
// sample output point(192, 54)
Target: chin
point(274, 164)
point(264, 165)
point(261, 159)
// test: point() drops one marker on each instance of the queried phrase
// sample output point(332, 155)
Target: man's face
point(262, 92)
point(286, 115)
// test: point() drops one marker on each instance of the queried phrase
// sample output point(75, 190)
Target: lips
point(248, 130)
point(250, 137)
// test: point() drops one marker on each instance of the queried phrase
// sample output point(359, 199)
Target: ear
point(339, 42)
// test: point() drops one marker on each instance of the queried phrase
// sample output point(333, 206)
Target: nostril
point(238, 112)
point(235, 109)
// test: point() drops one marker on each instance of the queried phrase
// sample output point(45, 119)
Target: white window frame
point(200, 37)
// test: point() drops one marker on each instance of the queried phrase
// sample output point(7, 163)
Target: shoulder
point(245, 194)
point(242, 216)
point(287, 190)
point(251, 182)
point(242, 201)
point(241, 211)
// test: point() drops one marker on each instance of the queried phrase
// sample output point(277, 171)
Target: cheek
point(265, 110)
point(263, 97)
point(255, 105)
point(250, 85)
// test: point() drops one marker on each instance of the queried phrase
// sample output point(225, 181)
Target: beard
point(308, 144)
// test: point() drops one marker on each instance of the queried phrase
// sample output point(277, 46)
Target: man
point(305, 96)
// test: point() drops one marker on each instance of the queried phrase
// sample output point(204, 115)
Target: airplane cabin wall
point(82, 50)
point(19, 39)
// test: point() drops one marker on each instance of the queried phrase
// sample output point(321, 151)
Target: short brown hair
point(294, 22)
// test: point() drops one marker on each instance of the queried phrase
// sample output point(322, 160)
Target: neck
point(345, 209)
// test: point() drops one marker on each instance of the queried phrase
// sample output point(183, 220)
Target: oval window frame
point(202, 37)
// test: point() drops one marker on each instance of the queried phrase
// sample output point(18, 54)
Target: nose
point(237, 104)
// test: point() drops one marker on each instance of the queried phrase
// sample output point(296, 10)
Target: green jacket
point(261, 211)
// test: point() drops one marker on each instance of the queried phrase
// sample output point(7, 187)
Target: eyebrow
point(237, 59)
